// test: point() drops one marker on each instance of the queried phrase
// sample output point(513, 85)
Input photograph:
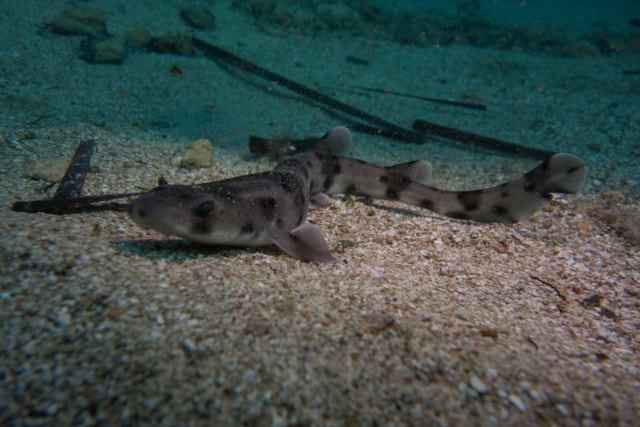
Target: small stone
point(517, 402)
point(198, 16)
point(189, 346)
point(487, 331)
point(258, 327)
point(198, 155)
point(139, 37)
point(79, 20)
point(477, 385)
point(336, 16)
point(178, 44)
point(63, 318)
point(580, 49)
point(46, 168)
point(111, 51)
point(378, 321)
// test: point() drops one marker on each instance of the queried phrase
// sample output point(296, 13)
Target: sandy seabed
point(424, 320)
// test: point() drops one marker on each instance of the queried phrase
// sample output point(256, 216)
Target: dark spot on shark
point(393, 193)
point(500, 210)
point(470, 200)
point(142, 213)
point(384, 179)
point(427, 204)
point(337, 169)
point(268, 206)
point(203, 209)
point(405, 181)
point(503, 212)
point(351, 189)
point(247, 228)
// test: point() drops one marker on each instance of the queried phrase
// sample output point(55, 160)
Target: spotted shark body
point(271, 207)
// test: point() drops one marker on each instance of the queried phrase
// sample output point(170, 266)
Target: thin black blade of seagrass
point(73, 205)
point(73, 180)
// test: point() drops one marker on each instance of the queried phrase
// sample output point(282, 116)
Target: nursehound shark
point(271, 207)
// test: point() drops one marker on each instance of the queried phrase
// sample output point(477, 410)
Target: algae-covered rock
point(198, 155)
point(198, 16)
point(140, 37)
point(580, 49)
point(337, 16)
point(79, 20)
point(109, 51)
point(171, 43)
point(256, 8)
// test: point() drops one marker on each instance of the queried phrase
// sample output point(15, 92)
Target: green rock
point(79, 20)
point(111, 51)
point(198, 16)
point(198, 155)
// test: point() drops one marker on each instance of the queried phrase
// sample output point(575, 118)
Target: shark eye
point(203, 209)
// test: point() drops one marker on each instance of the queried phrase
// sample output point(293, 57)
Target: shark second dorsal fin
point(337, 140)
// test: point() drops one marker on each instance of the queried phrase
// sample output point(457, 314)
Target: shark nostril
point(138, 210)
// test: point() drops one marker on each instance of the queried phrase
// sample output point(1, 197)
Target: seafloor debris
point(198, 16)
point(198, 155)
point(73, 181)
point(81, 20)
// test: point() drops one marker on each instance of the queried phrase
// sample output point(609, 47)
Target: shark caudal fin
point(513, 200)
point(560, 173)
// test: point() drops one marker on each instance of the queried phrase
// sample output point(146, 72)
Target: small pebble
point(517, 402)
point(198, 155)
point(478, 385)
point(189, 346)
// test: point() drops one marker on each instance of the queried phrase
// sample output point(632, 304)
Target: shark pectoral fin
point(305, 243)
point(318, 200)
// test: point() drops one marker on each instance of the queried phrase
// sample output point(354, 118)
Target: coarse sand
point(424, 320)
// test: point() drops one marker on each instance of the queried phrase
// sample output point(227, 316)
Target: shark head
point(192, 213)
